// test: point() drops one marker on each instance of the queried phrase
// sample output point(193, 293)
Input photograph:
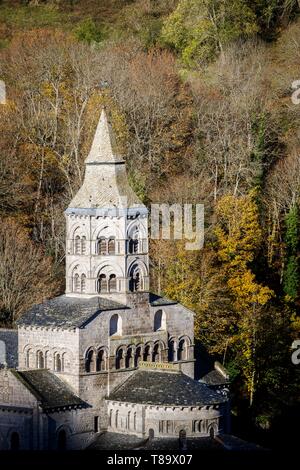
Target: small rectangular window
point(96, 423)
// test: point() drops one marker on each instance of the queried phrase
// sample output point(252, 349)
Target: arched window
point(156, 355)
point(28, 353)
point(76, 282)
point(135, 282)
point(83, 245)
point(40, 360)
point(57, 363)
point(110, 417)
point(129, 362)
point(169, 427)
point(171, 351)
point(83, 283)
point(117, 418)
point(90, 361)
point(63, 362)
point(182, 350)
point(101, 361)
point(46, 365)
point(112, 283)
point(77, 245)
point(160, 320)
point(111, 246)
point(102, 283)
point(133, 245)
point(129, 420)
point(120, 359)
point(115, 325)
point(147, 353)
point(138, 356)
point(102, 246)
point(134, 421)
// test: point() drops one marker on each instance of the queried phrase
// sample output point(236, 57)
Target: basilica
point(108, 357)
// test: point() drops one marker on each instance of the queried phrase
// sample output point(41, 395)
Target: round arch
point(136, 225)
point(77, 229)
point(160, 320)
point(106, 230)
point(115, 325)
point(105, 267)
point(137, 264)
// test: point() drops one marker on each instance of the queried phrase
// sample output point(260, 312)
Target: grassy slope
point(16, 17)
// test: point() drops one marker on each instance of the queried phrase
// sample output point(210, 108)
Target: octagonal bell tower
point(107, 228)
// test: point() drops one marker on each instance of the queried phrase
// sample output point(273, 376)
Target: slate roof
point(49, 390)
point(10, 338)
point(67, 312)
point(165, 388)
point(105, 182)
point(156, 300)
point(214, 378)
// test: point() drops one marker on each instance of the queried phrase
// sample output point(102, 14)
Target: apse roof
point(165, 388)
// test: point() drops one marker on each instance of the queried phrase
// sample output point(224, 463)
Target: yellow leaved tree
point(238, 239)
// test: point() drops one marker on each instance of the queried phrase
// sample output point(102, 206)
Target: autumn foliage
point(199, 94)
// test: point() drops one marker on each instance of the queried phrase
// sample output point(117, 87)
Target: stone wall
point(129, 418)
point(18, 412)
point(51, 341)
point(92, 264)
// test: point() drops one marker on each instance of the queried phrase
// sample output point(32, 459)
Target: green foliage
point(271, 13)
point(258, 155)
point(291, 276)
point(136, 181)
point(292, 230)
point(88, 31)
point(233, 369)
point(27, 17)
point(150, 34)
point(199, 30)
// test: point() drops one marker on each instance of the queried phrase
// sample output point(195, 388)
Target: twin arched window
point(96, 362)
point(106, 246)
point(135, 281)
point(42, 360)
point(59, 362)
point(181, 353)
point(133, 245)
point(133, 240)
point(80, 245)
point(79, 283)
point(107, 283)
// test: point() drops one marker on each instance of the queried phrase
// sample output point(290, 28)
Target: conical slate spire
point(105, 181)
point(103, 145)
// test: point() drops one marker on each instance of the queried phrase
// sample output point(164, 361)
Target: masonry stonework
point(108, 356)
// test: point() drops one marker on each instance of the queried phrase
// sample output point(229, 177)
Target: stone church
point(108, 356)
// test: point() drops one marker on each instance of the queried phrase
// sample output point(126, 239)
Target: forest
point(199, 93)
